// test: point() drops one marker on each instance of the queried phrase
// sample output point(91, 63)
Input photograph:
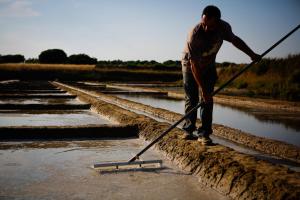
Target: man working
point(199, 71)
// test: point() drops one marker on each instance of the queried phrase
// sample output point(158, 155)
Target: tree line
point(50, 56)
point(58, 56)
point(12, 58)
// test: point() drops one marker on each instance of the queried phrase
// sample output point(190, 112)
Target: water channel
point(265, 124)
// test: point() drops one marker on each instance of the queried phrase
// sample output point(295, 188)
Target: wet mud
point(57, 106)
point(30, 96)
point(234, 174)
point(67, 132)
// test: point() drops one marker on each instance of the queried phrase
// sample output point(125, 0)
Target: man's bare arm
point(241, 45)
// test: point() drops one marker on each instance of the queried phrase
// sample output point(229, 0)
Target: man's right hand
point(255, 57)
point(207, 97)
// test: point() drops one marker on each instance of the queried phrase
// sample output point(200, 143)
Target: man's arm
point(241, 45)
point(197, 71)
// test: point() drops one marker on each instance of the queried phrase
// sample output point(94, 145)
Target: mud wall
point(231, 173)
point(269, 146)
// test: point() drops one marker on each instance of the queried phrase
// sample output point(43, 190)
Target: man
point(199, 71)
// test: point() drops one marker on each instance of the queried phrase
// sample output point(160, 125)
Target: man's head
point(211, 16)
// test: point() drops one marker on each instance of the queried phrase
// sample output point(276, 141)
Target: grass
point(45, 67)
point(271, 78)
point(85, 72)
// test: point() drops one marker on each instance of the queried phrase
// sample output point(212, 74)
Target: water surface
point(265, 124)
point(66, 118)
point(65, 173)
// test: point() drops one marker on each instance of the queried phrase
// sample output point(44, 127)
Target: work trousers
point(209, 77)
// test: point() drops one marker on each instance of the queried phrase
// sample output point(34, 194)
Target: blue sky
point(141, 29)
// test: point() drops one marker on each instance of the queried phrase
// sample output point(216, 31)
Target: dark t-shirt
point(204, 46)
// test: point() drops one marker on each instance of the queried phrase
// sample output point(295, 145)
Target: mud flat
point(231, 173)
point(44, 106)
point(40, 96)
point(67, 132)
point(28, 91)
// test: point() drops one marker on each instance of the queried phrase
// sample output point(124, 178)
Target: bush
point(242, 85)
point(32, 60)
point(295, 77)
point(171, 63)
point(81, 59)
point(261, 68)
point(53, 56)
point(12, 58)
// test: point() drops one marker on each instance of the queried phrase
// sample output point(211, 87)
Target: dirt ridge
point(231, 173)
point(265, 145)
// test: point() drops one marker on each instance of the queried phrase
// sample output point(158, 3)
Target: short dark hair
point(212, 11)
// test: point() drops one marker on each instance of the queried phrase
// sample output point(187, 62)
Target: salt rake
point(135, 162)
point(127, 166)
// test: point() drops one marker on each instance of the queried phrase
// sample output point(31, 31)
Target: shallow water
point(66, 118)
point(265, 124)
point(65, 173)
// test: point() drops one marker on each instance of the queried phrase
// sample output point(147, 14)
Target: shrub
point(295, 77)
point(261, 68)
point(242, 85)
point(81, 59)
point(53, 56)
point(32, 60)
point(12, 58)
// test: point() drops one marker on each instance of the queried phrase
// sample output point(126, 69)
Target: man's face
point(209, 24)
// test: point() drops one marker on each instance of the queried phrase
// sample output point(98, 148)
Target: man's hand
point(255, 57)
point(240, 44)
point(207, 97)
point(197, 70)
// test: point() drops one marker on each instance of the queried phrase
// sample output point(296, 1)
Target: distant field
point(86, 72)
point(45, 67)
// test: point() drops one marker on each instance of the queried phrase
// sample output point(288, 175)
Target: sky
point(141, 29)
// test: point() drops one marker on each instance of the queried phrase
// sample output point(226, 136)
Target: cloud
point(17, 8)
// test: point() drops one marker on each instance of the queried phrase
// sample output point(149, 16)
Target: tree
point(12, 58)
point(81, 59)
point(171, 63)
point(53, 56)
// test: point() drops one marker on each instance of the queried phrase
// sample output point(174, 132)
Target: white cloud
point(17, 8)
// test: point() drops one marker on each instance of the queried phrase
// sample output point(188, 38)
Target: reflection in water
point(275, 125)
